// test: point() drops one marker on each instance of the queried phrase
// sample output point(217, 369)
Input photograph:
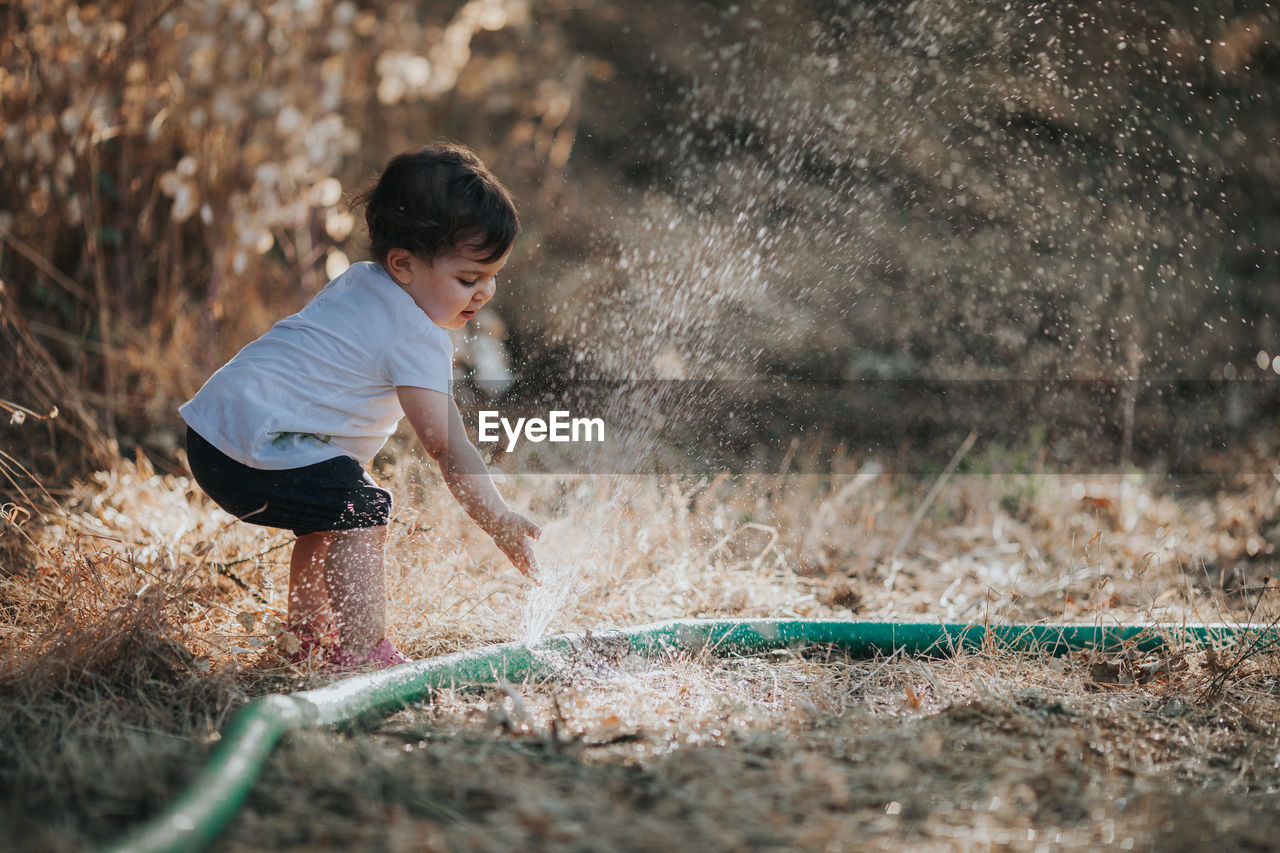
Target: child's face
point(452, 288)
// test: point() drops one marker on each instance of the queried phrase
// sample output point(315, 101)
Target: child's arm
point(435, 419)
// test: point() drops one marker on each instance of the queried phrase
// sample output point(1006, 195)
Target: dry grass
point(146, 615)
point(792, 751)
point(168, 203)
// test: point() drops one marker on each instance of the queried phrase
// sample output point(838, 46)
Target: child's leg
point(357, 591)
point(309, 612)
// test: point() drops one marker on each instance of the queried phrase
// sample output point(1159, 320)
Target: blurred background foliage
point(834, 190)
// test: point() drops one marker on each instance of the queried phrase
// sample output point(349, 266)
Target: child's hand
point(514, 534)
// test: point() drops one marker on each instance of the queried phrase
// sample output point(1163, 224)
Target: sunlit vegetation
point(940, 311)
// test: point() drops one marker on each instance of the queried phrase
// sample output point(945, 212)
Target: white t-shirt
point(322, 383)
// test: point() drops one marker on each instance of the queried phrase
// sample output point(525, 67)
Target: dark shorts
point(337, 494)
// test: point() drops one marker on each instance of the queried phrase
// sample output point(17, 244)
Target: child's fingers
point(527, 527)
point(530, 561)
point(520, 553)
point(517, 542)
point(527, 564)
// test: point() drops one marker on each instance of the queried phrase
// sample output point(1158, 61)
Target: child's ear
point(400, 265)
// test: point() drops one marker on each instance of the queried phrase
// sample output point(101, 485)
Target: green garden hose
point(193, 821)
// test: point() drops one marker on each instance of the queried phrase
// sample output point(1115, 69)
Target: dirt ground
point(146, 617)
point(807, 751)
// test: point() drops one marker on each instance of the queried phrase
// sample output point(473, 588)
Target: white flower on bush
point(179, 184)
point(339, 223)
point(403, 75)
point(326, 192)
point(335, 262)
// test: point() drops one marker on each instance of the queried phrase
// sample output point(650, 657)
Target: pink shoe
point(384, 654)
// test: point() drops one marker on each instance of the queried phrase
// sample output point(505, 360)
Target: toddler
point(280, 435)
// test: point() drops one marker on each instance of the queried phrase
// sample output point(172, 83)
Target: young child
point(280, 435)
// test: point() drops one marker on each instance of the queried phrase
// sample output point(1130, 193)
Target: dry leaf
point(289, 643)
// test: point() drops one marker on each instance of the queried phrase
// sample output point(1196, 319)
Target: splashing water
point(563, 575)
point(936, 190)
point(560, 580)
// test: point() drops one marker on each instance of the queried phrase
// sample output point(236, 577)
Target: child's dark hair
point(438, 199)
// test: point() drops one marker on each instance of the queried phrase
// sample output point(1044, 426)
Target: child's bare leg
point(309, 611)
point(357, 590)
